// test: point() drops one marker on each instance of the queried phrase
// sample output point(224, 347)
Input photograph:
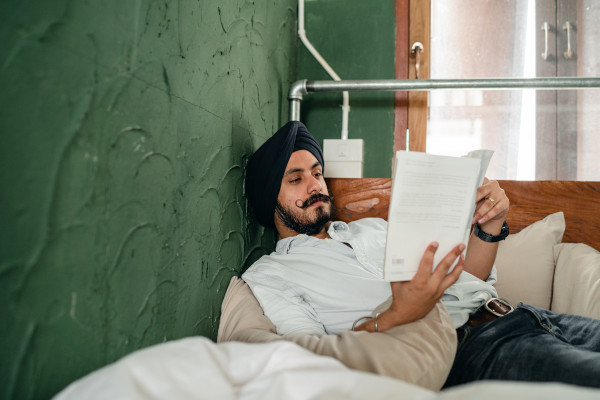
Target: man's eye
point(295, 180)
point(317, 174)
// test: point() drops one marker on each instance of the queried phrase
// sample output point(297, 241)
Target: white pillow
point(525, 262)
point(577, 280)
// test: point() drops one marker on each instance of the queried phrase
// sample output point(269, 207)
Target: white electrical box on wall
point(343, 158)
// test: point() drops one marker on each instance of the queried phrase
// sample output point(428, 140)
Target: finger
point(495, 204)
point(487, 189)
point(484, 190)
point(483, 210)
point(491, 214)
point(477, 214)
point(444, 266)
point(426, 264)
point(500, 208)
point(482, 202)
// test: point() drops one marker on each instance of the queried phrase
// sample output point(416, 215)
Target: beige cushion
point(525, 262)
point(421, 352)
point(577, 280)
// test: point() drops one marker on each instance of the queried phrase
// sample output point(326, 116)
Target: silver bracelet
point(375, 319)
point(358, 320)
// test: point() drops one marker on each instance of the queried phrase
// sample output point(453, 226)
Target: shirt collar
point(284, 245)
point(338, 230)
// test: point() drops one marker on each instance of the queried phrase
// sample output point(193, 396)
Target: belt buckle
point(501, 301)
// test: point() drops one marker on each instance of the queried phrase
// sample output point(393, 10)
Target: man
point(324, 276)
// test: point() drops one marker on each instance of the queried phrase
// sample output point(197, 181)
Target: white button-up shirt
point(319, 286)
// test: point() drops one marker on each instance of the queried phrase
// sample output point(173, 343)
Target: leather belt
point(493, 309)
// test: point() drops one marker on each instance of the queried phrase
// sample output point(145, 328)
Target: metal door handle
point(545, 28)
point(568, 27)
point(417, 49)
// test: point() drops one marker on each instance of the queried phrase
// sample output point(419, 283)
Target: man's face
point(303, 204)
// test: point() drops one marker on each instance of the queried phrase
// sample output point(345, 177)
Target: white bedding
point(197, 368)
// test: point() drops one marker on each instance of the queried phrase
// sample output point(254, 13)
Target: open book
point(433, 199)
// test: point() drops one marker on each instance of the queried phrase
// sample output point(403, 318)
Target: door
point(556, 116)
point(536, 134)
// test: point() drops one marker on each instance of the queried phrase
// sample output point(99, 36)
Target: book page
point(433, 199)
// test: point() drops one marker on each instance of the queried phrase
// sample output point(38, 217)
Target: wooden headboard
point(356, 198)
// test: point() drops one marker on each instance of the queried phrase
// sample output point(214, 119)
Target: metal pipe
point(295, 94)
point(326, 66)
point(300, 88)
point(295, 109)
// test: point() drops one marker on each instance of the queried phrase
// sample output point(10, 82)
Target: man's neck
point(286, 232)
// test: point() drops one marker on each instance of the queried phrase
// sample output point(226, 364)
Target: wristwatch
point(486, 237)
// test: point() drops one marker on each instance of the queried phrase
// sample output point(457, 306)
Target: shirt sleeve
point(467, 295)
point(283, 304)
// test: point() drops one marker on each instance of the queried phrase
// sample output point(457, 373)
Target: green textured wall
point(356, 37)
point(124, 128)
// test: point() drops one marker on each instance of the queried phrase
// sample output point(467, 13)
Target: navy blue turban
point(267, 166)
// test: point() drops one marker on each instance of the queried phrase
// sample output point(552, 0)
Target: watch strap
point(486, 237)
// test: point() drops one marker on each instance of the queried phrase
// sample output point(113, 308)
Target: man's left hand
point(491, 205)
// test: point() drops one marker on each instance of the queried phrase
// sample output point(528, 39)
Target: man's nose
point(314, 185)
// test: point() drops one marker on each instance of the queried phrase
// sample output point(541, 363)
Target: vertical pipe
point(295, 109)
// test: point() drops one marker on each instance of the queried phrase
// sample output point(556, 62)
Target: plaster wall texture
point(124, 130)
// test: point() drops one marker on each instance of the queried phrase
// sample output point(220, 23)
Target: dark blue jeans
point(530, 344)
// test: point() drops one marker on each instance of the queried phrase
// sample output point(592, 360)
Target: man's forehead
point(301, 160)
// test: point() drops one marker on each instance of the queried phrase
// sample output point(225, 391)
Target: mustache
point(313, 199)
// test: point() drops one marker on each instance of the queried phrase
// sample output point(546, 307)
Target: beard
point(303, 224)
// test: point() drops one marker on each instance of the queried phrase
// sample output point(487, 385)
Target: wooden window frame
point(411, 108)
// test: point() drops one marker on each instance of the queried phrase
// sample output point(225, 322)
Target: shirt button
point(364, 259)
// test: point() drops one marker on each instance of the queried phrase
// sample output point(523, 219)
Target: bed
point(549, 259)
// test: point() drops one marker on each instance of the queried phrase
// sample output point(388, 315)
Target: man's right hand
point(412, 300)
